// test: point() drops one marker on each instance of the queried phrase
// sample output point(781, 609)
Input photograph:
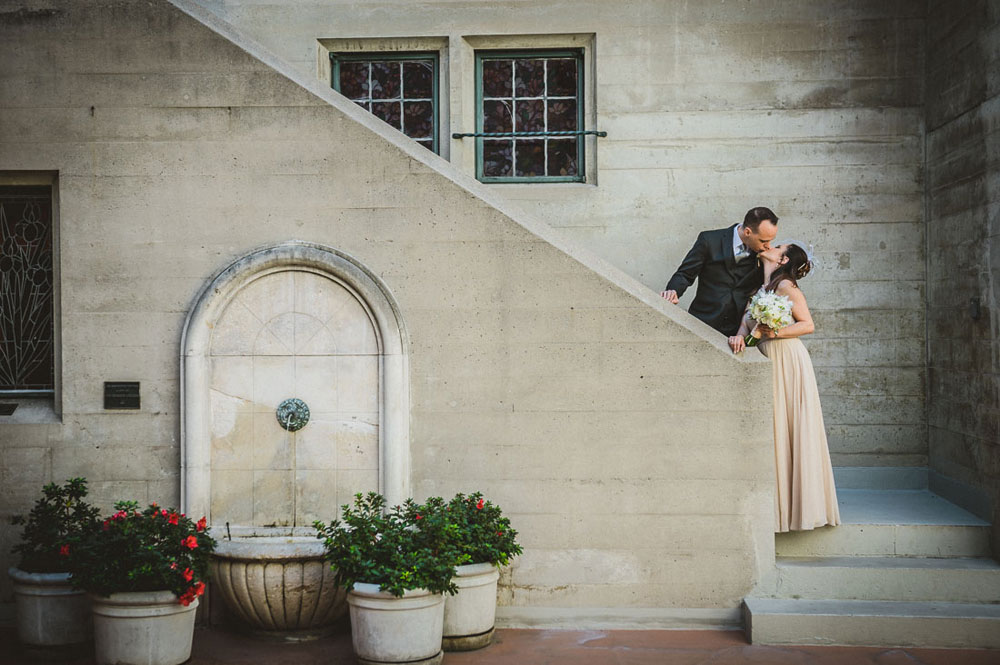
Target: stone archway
point(295, 320)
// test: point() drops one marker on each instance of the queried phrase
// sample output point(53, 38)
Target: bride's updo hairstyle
point(795, 268)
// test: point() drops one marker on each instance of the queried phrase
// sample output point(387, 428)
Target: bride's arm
point(736, 342)
point(800, 311)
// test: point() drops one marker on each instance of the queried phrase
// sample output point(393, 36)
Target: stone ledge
point(619, 618)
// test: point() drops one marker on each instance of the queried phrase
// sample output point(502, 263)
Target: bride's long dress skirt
point(806, 497)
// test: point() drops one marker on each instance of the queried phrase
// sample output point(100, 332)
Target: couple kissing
point(748, 290)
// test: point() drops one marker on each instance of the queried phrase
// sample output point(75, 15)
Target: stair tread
point(902, 507)
point(891, 562)
point(874, 608)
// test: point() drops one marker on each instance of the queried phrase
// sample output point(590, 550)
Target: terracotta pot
point(142, 628)
point(386, 629)
point(470, 614)
point(51, 615)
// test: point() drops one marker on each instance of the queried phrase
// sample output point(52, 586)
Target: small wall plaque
point(121, 394)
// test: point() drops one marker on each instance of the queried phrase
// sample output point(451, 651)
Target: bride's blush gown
point(806, 496)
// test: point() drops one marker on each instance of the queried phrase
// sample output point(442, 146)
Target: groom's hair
point(757, 215)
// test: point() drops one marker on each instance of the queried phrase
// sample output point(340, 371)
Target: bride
point(806, 497)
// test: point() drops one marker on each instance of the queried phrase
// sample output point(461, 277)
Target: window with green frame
point(534, 100)
point(399, 88)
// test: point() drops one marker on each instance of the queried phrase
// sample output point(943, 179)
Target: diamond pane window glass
point(399, 89)
point(532, 91)
point(26, 290)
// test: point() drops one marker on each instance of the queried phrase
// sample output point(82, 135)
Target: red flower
point(419, 516)
point(173, 566)
point(202, 523)
point(190, 542)
point(188, 574)
point(499, 533)
point(64, 550)
point(186, 598)
point(199, 588)
point(163, 511)
point(172, 518)
point(107, 524)
point(479, 506)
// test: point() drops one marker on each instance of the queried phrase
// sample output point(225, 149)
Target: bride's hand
point(737, 344)
point(766, 332)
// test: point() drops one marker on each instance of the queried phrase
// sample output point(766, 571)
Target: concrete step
point(956, 580)
point(871, 623)
point(881, 523)
point(880, 477)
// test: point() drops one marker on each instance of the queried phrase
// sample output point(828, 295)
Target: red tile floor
point(562, 647)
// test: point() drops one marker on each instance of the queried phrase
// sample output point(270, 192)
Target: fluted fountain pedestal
point(280, 587)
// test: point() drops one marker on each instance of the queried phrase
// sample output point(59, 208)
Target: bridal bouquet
point(770, 309)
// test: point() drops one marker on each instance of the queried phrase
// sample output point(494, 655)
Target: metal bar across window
point(575, 132)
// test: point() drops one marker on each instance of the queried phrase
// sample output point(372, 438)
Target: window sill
point(526, 187)
point(30, 411)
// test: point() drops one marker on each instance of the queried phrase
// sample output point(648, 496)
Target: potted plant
point(145, 571)
point(487, 541)
point(51, 615)
point(396, 565)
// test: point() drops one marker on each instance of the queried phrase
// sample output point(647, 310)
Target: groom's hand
point(671, 296)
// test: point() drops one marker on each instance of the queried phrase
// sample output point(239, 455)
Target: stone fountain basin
point(281, 587)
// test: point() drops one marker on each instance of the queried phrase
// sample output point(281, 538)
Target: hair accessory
point(810, 257)
point(807, 248)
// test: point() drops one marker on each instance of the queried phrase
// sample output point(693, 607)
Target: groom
point(725, 264)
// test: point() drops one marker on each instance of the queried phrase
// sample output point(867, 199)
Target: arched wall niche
point(306, 261)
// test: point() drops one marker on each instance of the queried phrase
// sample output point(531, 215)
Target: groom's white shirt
point(740, 250)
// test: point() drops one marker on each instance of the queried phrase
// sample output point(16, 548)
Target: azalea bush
point(399, 549)
point(156, 549)
point(58, 517)
point(485, 535)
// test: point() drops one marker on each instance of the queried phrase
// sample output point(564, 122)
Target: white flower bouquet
point(769, 309)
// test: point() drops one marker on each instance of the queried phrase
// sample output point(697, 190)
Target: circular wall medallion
point(292, 414)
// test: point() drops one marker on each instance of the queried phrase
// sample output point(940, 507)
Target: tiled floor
point(564, 647)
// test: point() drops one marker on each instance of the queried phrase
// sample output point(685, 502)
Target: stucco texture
point(963, 198)
point(814, 109)
point(631, 451)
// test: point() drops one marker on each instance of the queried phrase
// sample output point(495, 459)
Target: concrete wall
point(812, 108)
point(963, 200)
point(617, 431)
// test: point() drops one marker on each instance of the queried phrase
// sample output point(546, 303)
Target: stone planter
point(280, 587)
point(52, 616)
point(470, 614)
point(142, 628)
point(386, 629)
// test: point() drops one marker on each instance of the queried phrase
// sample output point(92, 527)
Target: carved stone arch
point(196, 344)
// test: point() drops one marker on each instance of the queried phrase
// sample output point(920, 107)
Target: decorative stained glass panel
point(497, 78)
point(530, 158)
point(26, 289)
point(562, 157)
point(399, 89)
point(529, 79)
point(530, 115)
point(536, 92)
point(496, 116)
point(497, 158)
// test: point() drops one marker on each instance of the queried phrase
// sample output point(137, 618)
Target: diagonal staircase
point(905, 568)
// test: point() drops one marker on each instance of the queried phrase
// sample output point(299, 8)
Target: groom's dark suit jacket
point(724, 286)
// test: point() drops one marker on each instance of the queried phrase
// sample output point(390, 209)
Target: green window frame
point(546, 146)
point(365, 95)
